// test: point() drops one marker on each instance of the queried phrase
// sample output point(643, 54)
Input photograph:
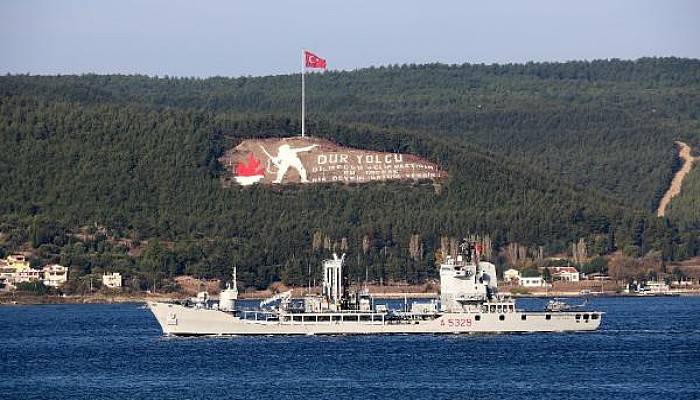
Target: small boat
point(558, 305)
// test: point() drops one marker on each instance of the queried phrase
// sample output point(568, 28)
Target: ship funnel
point(333, 279)
point(228, 297)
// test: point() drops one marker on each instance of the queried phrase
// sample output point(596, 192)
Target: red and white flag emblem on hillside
point(311, 60)
point(250, 172)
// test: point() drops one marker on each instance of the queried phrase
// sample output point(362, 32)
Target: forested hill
point(539, 154)
point(609, 125)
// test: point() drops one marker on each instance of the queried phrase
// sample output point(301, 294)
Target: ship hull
point(178, 320)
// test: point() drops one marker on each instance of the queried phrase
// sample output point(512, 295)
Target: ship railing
point(411, 317)
point(258, 315)
point(334, 318)
point(369, 318)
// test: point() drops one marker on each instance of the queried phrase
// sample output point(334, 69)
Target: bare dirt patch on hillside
point(677, 182)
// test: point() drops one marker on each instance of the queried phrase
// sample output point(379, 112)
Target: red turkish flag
point(311, 60)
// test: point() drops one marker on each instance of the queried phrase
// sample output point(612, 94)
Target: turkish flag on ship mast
point(309, 60)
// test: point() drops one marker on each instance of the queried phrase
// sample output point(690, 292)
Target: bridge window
point(594, 316)
point(501, 317)
point(547, 317)
point(523, 317)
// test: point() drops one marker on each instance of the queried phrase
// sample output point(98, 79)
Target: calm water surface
point(646, 349)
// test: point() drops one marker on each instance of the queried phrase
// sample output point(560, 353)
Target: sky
point(261, 37)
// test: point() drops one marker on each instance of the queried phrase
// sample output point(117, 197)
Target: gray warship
point(469, 303)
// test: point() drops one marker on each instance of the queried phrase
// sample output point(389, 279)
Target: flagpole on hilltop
point(303, 97)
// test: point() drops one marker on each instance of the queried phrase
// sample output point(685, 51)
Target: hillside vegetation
point(539, 154)
point(609, 125)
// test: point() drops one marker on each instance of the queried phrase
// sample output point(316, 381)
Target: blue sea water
point(647, 348)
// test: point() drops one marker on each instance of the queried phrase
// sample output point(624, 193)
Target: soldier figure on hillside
point(288, 157)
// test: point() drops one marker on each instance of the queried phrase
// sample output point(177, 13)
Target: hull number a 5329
point(456, 322)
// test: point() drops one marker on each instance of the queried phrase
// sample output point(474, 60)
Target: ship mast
point(234, 285)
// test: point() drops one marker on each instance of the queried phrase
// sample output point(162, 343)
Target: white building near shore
point(16, 269)
point(112, 281)
point(55, 275)
point(29, 275)
point(532, 282)
point(7, 273)
point(511, 275)
point(568, 274)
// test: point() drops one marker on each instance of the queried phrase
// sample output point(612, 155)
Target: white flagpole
point(303, 98)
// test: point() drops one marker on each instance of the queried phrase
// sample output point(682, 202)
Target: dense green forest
point(539, 154)
point(609, 125)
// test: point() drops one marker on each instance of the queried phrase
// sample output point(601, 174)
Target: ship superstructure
point(469, 303)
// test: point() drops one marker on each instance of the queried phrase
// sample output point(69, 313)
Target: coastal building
point(511, 275)
point(532, 282)
point(655, 287)
point(7, 274)
point(648, 287)
point(17, 261)
point(113, 280)
point(568, 274)
point(29, 275)
point(12, 267)
point(684, 281)
point(16, 269)
point(55, 275)
point(597, 276)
